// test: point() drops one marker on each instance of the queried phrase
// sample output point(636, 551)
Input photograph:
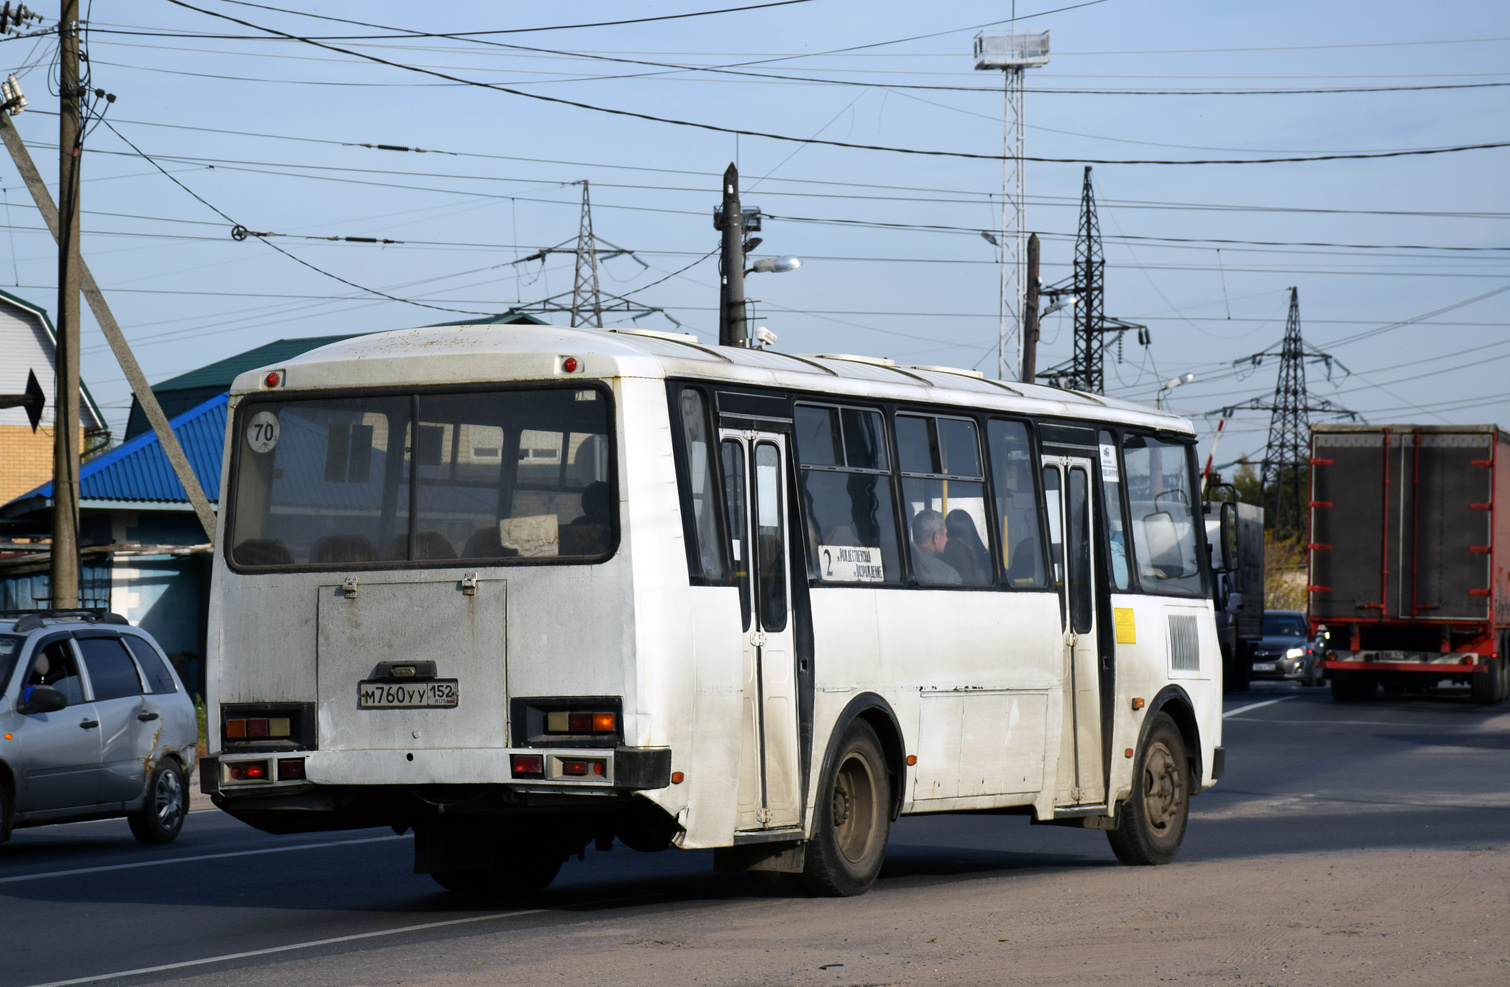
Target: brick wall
point(25, 459)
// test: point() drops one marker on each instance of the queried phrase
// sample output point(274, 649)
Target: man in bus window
point(930, 536)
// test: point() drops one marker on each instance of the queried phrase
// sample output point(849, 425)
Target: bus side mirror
point(1228, 537)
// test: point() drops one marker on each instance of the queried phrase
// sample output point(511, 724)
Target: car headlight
point(1296, 653)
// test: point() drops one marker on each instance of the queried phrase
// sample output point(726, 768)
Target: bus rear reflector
point(576, 768)
point(291, 769)
point(527, 765)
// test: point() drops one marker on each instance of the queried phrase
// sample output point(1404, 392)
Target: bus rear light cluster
point(527, 765)
point(273, 728)
point(583, 767)
point(291, 769)
point(568, 722)
point(247, 771)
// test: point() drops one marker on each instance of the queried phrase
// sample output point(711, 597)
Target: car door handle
point(89, 724)
point(145, 715)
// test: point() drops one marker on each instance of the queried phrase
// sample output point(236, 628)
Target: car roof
point(26, 621)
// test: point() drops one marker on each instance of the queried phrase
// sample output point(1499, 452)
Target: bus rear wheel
point(1154, 816)
point(854, 818)
point(525, 876)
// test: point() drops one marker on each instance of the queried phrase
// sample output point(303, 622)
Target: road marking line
point(1266, 702)
point(313, 943)
point(182, 860)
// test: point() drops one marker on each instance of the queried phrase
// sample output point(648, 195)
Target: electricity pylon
point(585, 296)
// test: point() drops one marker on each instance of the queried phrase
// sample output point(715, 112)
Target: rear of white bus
point(422, 617)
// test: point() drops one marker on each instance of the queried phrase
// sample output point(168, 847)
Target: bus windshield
point(502, 476)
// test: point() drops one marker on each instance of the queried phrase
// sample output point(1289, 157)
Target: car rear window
point(1284, 625)
point(159, 679)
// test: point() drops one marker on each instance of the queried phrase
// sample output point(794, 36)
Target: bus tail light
point(247, 771)
point(583, 767)
point(291, 769)
point(258, 728)
point(527, 765)
point(565, 721)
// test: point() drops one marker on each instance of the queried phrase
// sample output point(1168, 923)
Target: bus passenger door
point(1081, 778)
point(755, 466)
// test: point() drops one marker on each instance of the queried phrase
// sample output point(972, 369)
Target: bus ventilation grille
point(1184, 643)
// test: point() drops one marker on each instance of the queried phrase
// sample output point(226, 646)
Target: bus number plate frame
point(423, 694)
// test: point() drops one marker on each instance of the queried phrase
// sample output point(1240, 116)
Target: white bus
point(524, 589)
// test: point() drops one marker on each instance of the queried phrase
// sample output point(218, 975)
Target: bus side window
point(1016, 513)
point(706, 556)
point(1114, 541)
point(944, 489)
point(846, 493)
point(733, 453)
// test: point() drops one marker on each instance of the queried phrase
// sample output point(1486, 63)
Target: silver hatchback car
point(93, 724)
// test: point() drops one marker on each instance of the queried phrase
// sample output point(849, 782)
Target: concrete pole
point(1030, 316)
point(65, 484)
point(731, 313)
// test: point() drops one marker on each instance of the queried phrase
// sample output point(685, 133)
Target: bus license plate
point(429, 694)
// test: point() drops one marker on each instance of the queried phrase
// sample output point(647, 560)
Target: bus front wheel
point(1153, 818)
point(854, 818)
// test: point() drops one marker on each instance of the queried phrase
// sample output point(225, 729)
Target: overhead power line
point(807, 140)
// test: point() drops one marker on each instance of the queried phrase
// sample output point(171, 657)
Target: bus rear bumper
point(584, 771)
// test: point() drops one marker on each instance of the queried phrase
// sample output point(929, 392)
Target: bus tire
point(853, 818)
point(525, 876)
point(1152, 823)
point(161, 816)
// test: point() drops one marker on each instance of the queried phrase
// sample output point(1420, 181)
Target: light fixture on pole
point(1170, 385)
point(775, 265)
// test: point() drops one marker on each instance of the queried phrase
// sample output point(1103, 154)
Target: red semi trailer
point(1409, 551)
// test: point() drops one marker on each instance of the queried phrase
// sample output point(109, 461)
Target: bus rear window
point(491, 476)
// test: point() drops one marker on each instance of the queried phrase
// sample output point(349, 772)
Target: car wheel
point(854, 818)
point(525, 876)
point(161, 816)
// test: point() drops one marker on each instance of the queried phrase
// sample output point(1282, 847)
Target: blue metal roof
point(138, 470)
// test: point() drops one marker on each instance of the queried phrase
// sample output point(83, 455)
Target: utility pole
point(1012, 54)
point(1030, 332)
point(585, 292)
point(731, 308)
point(65, 484)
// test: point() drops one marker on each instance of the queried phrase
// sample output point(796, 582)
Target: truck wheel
point(1242, 669)
point(1504, 677)
point(854, 818)
point(1353, 687)
point(1485, 687)
point(1153, 817)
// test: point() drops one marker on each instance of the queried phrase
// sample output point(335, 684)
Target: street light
point(1060, 302)
point(775, 265)
point(1170, 385)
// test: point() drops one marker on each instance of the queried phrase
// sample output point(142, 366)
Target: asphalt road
point(84, 903)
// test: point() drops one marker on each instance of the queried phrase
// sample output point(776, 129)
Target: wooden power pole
point(65, 482)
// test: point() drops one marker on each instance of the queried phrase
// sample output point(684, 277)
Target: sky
point(260, 116)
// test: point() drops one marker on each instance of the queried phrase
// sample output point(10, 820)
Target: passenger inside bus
point(930, 538)
point(966, 553)
point(589, 534)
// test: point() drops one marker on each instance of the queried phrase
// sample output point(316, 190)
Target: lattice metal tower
point(585, 297)
point(1090, 315)
point(1285, 468)
point(1012, 54)
point(1288, 452)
